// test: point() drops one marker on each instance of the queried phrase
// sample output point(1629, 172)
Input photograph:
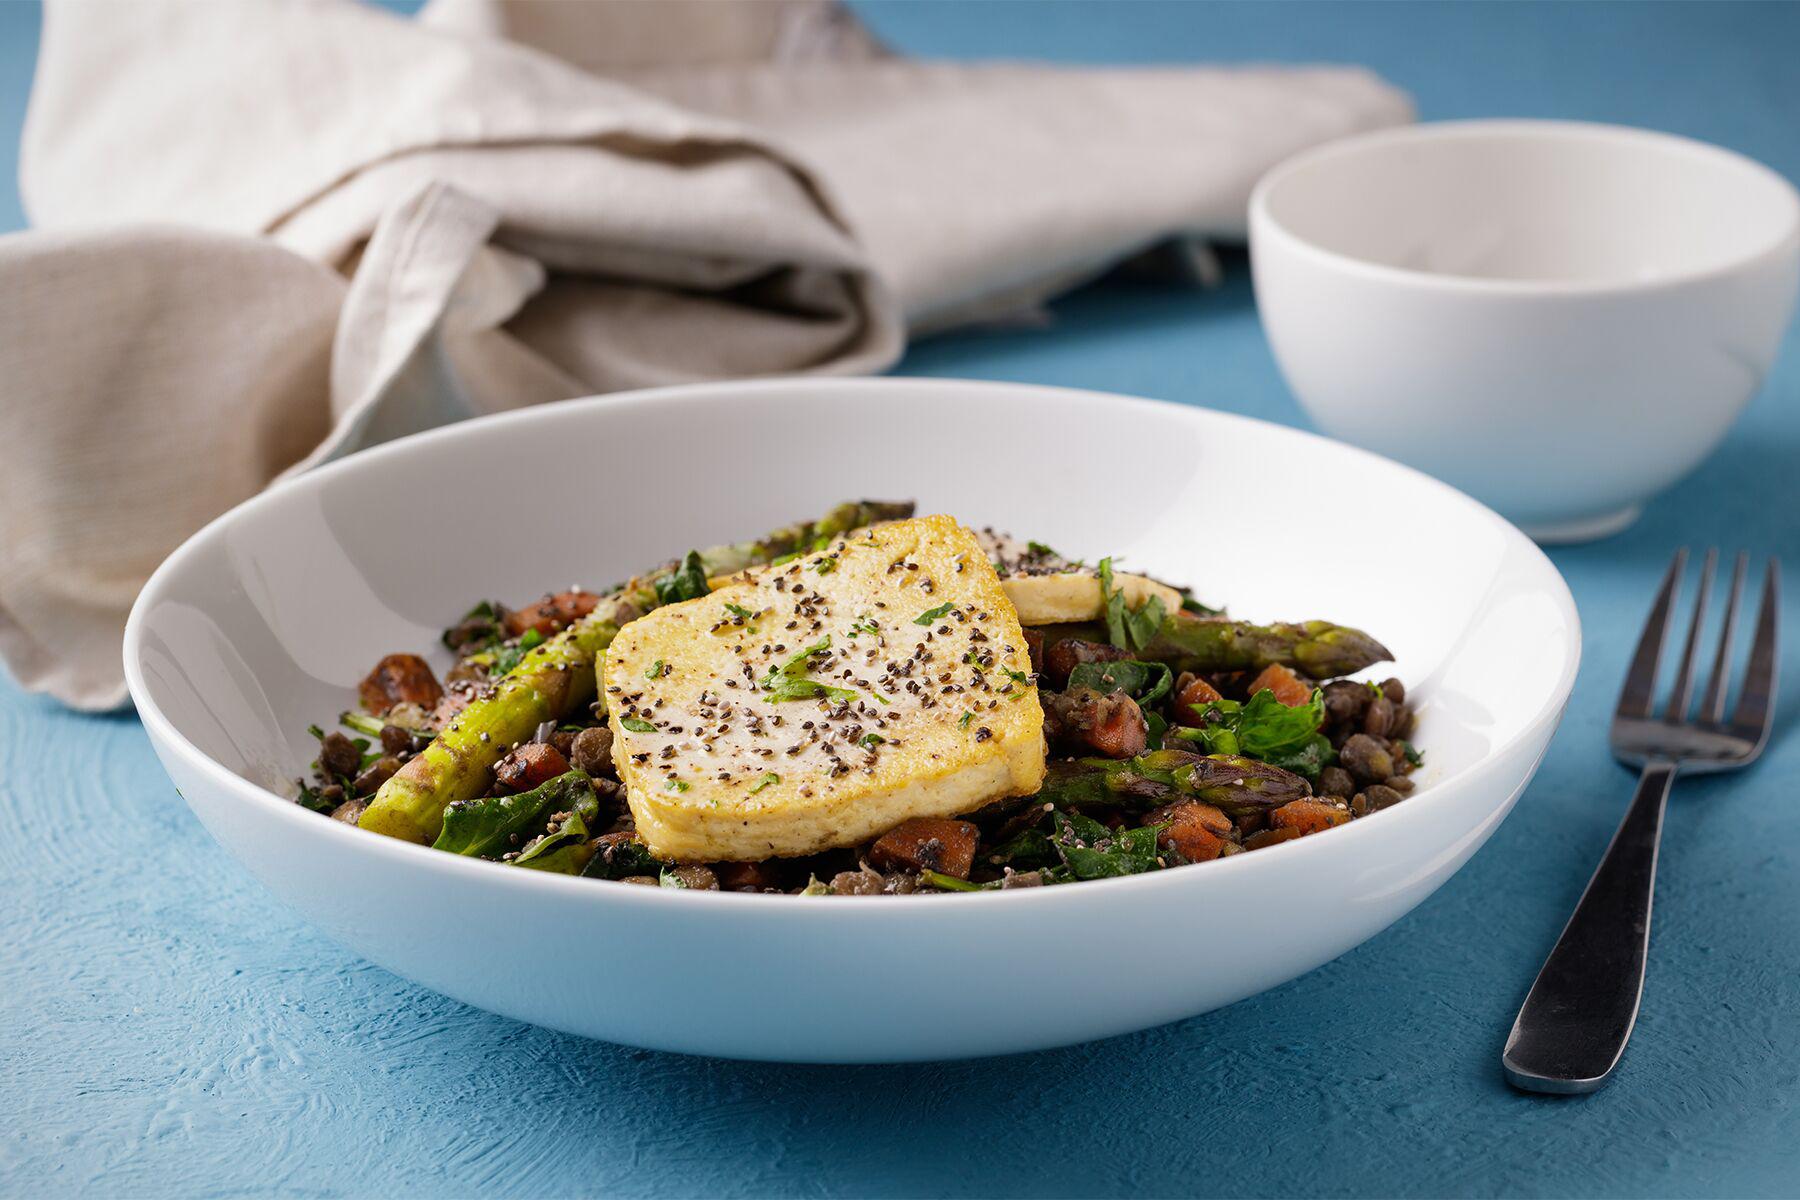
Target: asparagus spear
point(557, 676)
point(1187, 642)
point(1226, 781)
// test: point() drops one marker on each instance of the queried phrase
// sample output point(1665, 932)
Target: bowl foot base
point(1587, 529)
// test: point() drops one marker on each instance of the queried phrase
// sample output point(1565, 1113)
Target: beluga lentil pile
point(868, 704)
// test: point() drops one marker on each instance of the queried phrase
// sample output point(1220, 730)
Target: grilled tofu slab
point(819, 703)
point(1047, 589)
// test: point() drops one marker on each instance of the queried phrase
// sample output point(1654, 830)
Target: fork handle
point(1575, 1023)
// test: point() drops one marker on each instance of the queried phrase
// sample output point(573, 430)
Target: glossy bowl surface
point(1562, 319)
point(265, 620)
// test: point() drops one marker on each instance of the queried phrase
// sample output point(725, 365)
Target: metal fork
point(1575, 1023)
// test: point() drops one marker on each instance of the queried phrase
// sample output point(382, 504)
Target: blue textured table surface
point(165, 1028)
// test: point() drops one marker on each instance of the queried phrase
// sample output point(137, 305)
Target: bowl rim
point(404, 855)
point(1265, 225)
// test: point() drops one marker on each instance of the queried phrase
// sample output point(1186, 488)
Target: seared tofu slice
point(822, 702)
point(1047, 589)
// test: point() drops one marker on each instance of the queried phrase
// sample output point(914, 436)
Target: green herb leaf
point(656, 670)
point(619, 860)
point(765, 781)
point(1269, 731)
point(932, 614)
point(1041, 550)
point(686, 582)
point(675, 785)
point(1025, 851)
point(788, 681)
point(1092, 851)
point(564, 850)
point(869, 741)
point(1128, 628)
point(1414, 755)
point(864, 624)
point(638, 725)
point(948, 883)
point(485, 827)
point(505, 658)
point(964, 722)
point(825, 565)
point(1145, 682)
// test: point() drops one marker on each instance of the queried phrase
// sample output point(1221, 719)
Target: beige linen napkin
point(268, 234)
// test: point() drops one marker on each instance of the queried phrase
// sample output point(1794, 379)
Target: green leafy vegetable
point(638, 725)
point(1041, 550)
point(964, 722)
point(1414, 755)
point(948, 883)
point(485, 827)
point(565, 849)
point(676, 785)
point(1090, 850)
point(1267, 730)
point(932, 614)
point(487, 611)
point(1024, 851)
point(765, 781)
point(869, 741)
point(1189, 604)
point(864, 624)
point(738, 610)
point(1145, 682)
point(505, 658)
point(1128, 628)
point(686, 582)
point(620, 860)
point(656, 670)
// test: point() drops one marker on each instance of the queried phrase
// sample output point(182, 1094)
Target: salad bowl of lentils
point(991, 758)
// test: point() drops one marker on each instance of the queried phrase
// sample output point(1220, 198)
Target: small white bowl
point(265, 620)
point(1561, 319)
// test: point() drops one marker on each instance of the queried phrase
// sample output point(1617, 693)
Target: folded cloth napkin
point(269, 234)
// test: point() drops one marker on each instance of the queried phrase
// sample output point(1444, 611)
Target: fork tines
point(1750, 719)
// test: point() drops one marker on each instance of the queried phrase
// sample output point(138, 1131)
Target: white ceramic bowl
point(1561, 319)
point(266, 619)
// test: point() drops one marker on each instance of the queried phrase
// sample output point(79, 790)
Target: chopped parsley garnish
point(657, 670)
point(789, 680)
point(966, 718)
point(864, 624)
point(932, 614)
point(686, 582)
point(764, 782)
point(508, 657)
point(1042, 550)
point(1018, 677)
point(1128, 628)
point(638, 725)
point(825, 565)
point(739, 611)
point(675, 785)
point(869, 741)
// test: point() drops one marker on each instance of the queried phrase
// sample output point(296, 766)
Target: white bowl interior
point(1549, 202)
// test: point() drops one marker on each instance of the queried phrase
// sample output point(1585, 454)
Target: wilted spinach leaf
point(484, 827)
point(1269, 731)
point(1090, 850)
point(1145, 682)
point(621, 860)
